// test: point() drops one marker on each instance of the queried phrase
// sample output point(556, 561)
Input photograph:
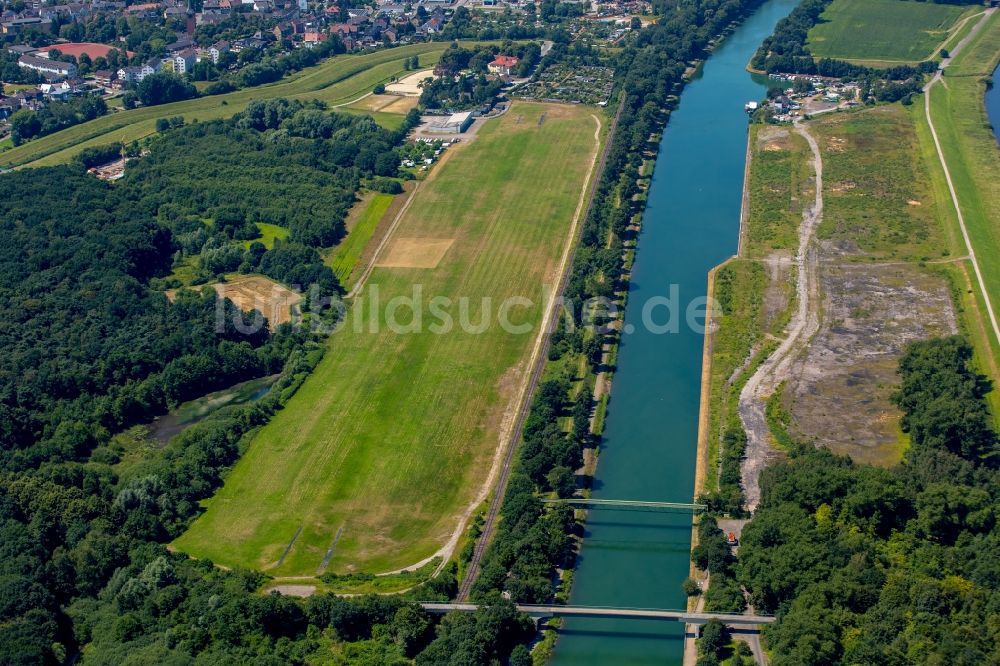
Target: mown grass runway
point(337, 80)
point(393, 435)
point(884, 31)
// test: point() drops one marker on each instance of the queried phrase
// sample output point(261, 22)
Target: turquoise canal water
point(993, 103)
point(638, 559)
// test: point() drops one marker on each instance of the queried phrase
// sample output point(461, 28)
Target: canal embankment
point(649, 448)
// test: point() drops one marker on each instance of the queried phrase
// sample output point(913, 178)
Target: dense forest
point(90, 348)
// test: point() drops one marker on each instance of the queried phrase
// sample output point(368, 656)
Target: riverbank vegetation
point(526, 552)
point(872, 565)
point(787, 51)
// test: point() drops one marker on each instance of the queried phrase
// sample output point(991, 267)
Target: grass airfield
point(392, 437)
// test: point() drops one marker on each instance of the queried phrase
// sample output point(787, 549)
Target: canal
point(638, 559)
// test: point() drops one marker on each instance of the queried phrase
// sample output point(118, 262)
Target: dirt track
point(803, 325)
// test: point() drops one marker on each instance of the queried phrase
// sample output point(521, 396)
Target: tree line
point(532, 540)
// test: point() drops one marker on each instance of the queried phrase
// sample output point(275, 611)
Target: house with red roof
point(502, 65)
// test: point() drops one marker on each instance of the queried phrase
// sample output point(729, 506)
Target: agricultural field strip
point(885, 32)
point(389, 433)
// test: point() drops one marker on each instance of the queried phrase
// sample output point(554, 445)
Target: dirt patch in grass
point(778, 291)
point(383, 226)
point(416, 252)
point(410, 85)
point(385, 103)
point(254, 292)
point(840, 389)
point(772, 138)
point(401, 105)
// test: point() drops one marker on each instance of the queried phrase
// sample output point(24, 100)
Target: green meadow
point(884, 32)
point(392, 437)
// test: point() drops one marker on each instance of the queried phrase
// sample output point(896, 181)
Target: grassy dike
point(741, 288)
point(969, 147)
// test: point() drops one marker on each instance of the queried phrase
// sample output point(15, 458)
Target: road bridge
point(541, 611)
point(627, 504)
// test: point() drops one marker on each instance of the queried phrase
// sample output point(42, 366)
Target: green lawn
point(336, 80)
point(890, 31)
point(392, 437)
point(346, 256)
point(877, 195)
point(268, 234)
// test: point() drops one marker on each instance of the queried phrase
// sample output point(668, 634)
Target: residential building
point(502, 65)
point(104, 77)
point(56, 91)
point(216, 50)
point(313, 38)
point(16, 26)
point(130, 74)
point(184, 61)
point(152, 66)
point(55, 68)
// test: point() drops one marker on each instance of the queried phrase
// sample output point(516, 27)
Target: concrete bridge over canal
point(635, 505)
point(539, 612)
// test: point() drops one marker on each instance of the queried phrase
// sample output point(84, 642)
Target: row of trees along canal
point(533, 539)
point(84, 529)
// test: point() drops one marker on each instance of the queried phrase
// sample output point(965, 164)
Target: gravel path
point(803, 325)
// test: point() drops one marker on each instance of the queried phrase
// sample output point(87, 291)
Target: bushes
point(942, 398)
point(90, 157)
point(385, 185)
point(163, 88)
point(26, 125)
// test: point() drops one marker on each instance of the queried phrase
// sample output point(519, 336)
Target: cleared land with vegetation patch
point(881, 262)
